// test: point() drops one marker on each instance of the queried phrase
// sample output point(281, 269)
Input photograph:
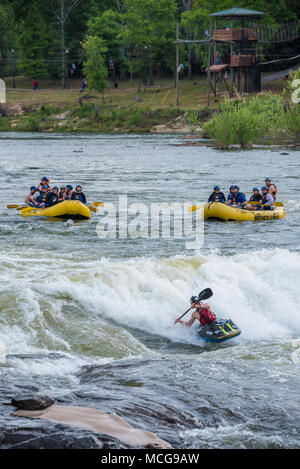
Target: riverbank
point(124, 109)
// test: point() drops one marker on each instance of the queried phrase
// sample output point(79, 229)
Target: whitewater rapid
point(258, 290)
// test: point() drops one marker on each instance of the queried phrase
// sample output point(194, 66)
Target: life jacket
point(256, 198)
point(206, 316)
point(273, 194)
point(237, 198)
point(217, 197)
point(266, 201)
point(68, 196)
point(77, 196)
point(42, 198)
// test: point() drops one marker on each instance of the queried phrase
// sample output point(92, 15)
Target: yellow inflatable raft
point(67, 209)
point(225, 212)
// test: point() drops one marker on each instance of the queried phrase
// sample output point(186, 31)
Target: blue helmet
point(55, 187)
point(236, 187)
point(264, 188)
point(255, 189)
point(267, 179)
point(216, 188)
point(69, 186)
point(33, 188)
point(45, 187)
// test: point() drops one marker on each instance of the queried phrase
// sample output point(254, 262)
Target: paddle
point(204, 295)
point(252, 202)
point(13, 206)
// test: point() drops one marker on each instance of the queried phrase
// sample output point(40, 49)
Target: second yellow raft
point(68, 209)
point(225, 212)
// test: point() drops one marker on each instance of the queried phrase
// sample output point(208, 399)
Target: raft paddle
point(13, 206)
point(204, 295)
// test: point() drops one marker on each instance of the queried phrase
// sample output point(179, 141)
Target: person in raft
point(45, 197)
point(266, 203)
point(203, 313)
point(256, 196)
point(271, 188)
point(78, 194)
point(217, 196)
point(237, 199)
point(69, 192)
point(32, 196)
point(53, 197)
point(45, 181)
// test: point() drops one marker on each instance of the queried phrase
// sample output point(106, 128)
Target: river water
point(89, 320)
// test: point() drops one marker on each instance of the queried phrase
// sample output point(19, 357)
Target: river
point(89, 320)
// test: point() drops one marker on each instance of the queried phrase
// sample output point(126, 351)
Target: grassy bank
point(125, 109)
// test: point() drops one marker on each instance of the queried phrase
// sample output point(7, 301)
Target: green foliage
point(94, 67)
point(30, 124)
point(86, 110)
point(245, 122)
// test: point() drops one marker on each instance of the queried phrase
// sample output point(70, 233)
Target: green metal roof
point(238, 12)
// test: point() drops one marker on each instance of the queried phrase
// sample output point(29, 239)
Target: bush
point(245, 122)
point(31, 124)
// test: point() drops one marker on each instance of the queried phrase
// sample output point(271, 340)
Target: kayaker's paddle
point(204, 295)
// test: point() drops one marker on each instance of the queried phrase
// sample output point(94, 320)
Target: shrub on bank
point(245, 122)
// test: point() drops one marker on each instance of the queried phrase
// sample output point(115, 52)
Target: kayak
point(217, 210)
point(67, 209)
point(219, 331)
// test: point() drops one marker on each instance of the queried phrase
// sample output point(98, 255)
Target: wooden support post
point(177, 65)
point(231, 69)
point(208, 67)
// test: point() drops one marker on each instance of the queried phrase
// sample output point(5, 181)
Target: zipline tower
point(242, 61)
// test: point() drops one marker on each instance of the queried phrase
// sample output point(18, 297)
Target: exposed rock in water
point(35, 402)
point(57, 437)
point(96, 420)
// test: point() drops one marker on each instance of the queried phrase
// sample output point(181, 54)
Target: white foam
point(258, 290)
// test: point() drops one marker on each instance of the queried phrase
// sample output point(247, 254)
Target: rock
point(57, 437)
point(34, 402)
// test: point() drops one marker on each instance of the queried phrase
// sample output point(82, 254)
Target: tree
point(149, 29)
point(108, 26)
point(94, 67)
point(62, 10)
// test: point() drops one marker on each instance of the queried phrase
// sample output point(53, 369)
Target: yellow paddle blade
point(194, 208)
point(277, 204)
point(93, 209)
point(27, 207)
point(12, 206)
point(98, 204)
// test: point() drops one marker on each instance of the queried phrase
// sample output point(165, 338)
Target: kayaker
point(203, 313)
point(217, 196)
point(236, 198)
point(78, 194)
point(30, 200)
point(44, 198)
point(256, 196)
point(69, 192)
point(271, 187)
